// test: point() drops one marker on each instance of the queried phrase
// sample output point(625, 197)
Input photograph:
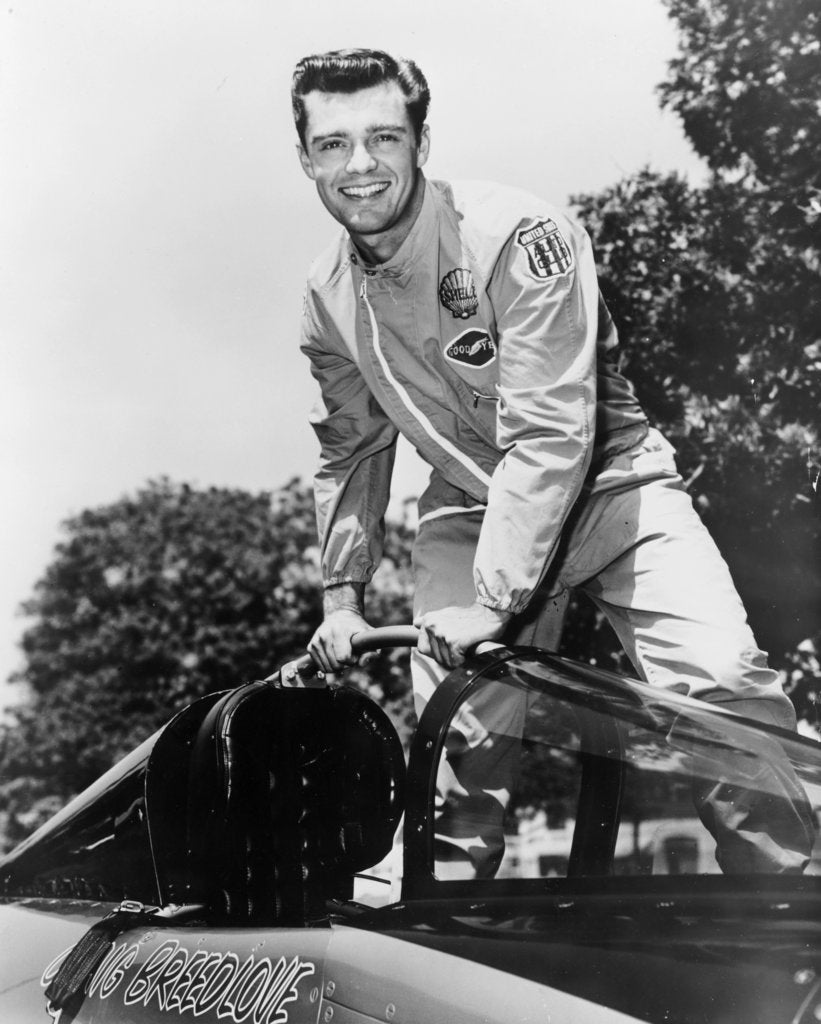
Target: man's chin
point(368, 225)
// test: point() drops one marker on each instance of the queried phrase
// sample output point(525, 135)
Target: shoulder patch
point(457, 293)
point(472, 348)
point(548, 254)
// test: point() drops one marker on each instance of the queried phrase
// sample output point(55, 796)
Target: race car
point(565, 845)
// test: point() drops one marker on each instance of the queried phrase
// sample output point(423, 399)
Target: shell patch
point(548, 254)
point(457, 293)
point(472, 348)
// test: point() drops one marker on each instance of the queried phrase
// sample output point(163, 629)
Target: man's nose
point(361, 160)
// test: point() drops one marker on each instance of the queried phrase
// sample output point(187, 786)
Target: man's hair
point(351, 70)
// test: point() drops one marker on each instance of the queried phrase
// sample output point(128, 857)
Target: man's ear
point(305, 160)
point(424, 146)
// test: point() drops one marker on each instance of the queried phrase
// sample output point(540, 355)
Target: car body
point(297, 896)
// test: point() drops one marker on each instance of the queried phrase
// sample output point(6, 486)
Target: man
point(468, 318)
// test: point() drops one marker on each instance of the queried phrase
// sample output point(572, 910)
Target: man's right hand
point(330, 646)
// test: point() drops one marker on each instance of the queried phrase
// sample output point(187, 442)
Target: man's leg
point(644, 556)
point(482, 753)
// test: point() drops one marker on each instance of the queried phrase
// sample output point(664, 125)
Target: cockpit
point(528, 773)
point(541, 769)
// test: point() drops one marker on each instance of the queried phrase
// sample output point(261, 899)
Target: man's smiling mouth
point(364, 191)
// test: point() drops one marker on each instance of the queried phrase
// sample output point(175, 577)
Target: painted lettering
point(50, 973)
point(270, 1010)
point(218, 983)
point(199, 980)
point(227, 1006)
point(167, 978)
point(189, 973)
point(256, 990)
point(143, 983)
point(116, 973)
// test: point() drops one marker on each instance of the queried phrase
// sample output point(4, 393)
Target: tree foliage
point(746, 84)
point(717, 293)
point(158, 599)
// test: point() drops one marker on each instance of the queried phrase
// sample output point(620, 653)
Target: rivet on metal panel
point(817, 1012)
point(314, 994)
point(390, 1011)
point(804, 977)
point(330, 988)
point(329, 1012)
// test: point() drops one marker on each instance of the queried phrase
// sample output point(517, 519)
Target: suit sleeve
point(357, 449)
point(545, 294)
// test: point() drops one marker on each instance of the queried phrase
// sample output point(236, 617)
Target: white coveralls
point(485, 341)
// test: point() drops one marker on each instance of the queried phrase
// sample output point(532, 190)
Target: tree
point(154, 601)
point(746, 84)
point(717, 293)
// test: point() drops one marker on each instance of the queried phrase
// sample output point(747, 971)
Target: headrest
point(291, 792)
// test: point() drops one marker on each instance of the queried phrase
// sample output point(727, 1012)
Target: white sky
point(155, 226)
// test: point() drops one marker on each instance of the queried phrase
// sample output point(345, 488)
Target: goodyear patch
point(457, 293)
point(472, 348)
point(548, 254)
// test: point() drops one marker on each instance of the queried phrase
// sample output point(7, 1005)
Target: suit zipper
point(401, 392)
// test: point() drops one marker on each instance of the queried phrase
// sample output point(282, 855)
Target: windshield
point(544, 771)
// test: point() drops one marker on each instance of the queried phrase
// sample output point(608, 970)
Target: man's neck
point(380, 248)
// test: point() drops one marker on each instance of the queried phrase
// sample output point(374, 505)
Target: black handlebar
point(368, 640)
point(302, 670)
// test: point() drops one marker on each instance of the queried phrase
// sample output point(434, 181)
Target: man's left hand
point(447, 634)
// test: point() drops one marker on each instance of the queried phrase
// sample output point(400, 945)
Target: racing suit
point(486, 343)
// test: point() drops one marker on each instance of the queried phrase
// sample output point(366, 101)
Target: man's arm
point(351, 487)
point(547, 325)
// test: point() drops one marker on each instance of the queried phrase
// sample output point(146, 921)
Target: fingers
point(331, 648)
point(433, 642)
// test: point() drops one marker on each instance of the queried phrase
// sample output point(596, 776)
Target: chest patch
point(472, 348)
point(548, 254)
point(457, 293)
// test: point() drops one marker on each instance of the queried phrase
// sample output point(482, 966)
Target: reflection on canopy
point(546, 771)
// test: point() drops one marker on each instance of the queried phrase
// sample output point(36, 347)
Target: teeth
point(364, 191)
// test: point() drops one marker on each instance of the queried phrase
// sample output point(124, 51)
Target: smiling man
point(468, 318)
point(364, 155)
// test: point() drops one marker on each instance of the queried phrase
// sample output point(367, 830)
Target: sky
point(156, 227)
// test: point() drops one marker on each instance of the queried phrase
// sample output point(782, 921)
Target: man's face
point(361, 150)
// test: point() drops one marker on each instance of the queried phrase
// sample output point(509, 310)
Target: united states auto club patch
point(472, 348)
point(457, 293)
point(547, 252)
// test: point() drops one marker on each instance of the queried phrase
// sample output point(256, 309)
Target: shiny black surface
point(694, 953)
point(101, 846)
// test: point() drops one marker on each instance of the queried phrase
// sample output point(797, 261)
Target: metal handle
point(303, 671)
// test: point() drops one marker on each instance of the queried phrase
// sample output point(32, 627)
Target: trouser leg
point(480, 762)
point(646, 559)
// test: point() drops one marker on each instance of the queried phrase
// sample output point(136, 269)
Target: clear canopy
point(540, 775)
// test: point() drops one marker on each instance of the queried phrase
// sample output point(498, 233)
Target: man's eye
point(387, 137)
point(330, 144)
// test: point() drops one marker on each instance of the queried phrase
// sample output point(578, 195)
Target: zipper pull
point(486, 398)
